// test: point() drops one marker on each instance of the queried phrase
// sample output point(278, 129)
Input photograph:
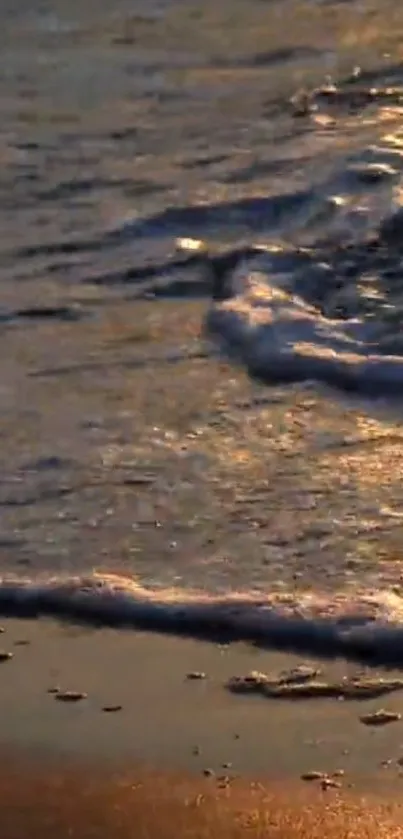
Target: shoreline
point(362, 626)
point(163, 702)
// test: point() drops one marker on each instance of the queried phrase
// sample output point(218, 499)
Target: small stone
point(111, 709)
point(2, 629)
point(5, 656)
point(208, 773)
point(380, 717)
point(226, 765)
point(300, 674)
point(195, 675)
point(23, 642)
point(70, 695)
point(324, 120)
point(196, 750)
point(54, 690)
point(303, 683)
point(329, 783)
point(313, 776)
point(252, 683)
point(338, 773)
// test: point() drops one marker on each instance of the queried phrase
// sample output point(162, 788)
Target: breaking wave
point(328, 306)
point(310, 322)
point(366, 625)
point(282, 339)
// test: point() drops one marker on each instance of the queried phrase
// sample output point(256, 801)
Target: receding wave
point(366, 625)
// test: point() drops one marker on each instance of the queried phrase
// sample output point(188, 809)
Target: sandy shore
point(179, 757)
point(179, 483)
point(79, 801)
point(139, 707)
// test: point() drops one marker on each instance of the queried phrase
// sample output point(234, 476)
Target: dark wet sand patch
point(310, 683)
point(145, 678)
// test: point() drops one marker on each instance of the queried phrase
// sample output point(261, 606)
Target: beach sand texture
point(132, 446)
point(67, 801)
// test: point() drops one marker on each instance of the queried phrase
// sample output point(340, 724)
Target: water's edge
point(366, 626)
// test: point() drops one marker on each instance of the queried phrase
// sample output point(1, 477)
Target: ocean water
point(197, 198)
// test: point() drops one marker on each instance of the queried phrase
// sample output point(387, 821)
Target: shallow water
point(123, 428)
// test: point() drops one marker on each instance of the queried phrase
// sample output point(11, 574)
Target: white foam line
point(366, 625)
point(280, 339)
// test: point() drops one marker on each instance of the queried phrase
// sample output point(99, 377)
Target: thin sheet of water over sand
point(192, 502)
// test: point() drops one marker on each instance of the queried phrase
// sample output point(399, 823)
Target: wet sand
point(158, 715)
point(181, 755)
point(127, 448)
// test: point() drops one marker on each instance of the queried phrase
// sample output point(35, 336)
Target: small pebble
point(196, 674)
point(329, 783)
point(380, 717)
point(226, 765)
point(23, 642)
point(70, 695)
point(111, 709)
point(313, 776)
point(208, 773)
point(5, 656)
point(196, 750)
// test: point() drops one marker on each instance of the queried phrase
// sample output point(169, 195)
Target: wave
point(365, 625)
point(324, 302)
point(282, 336)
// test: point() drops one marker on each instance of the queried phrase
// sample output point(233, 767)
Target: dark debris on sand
point(297, 685)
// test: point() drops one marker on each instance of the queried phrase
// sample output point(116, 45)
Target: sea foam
point(366, 624)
